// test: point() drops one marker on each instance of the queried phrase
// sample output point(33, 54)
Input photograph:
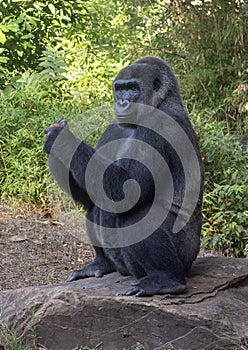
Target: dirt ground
point(36, 249)
point(41, 247)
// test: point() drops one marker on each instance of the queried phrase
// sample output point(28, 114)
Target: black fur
point(161, 261)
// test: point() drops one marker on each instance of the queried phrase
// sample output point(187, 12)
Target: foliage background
point(57, 59)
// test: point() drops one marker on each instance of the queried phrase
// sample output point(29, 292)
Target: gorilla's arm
point(66, 182)
point(68, 160)
point(60, 144)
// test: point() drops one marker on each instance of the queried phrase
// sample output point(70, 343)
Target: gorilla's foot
point(148, 286)
point(94, 269)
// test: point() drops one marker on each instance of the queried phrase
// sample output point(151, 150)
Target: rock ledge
point(212, 314)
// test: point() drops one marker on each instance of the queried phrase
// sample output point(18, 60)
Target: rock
point(211, 314)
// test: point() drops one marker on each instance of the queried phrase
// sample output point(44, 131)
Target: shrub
point(26, 109)
point(225, 206)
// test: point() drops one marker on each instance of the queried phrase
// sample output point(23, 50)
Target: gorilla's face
point(127, 94)
point(133, 90)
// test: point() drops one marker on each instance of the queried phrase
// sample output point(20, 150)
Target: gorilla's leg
point(154, 262)
point(99, 267)
point(155, 283)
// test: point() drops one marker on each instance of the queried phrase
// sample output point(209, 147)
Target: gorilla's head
point(148, 81)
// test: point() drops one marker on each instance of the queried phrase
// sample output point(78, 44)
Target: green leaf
point(45, 64)
point(32, 20)
point(59, 70)
point(52, 8)
point(2, 37)
point(48, 70)
point(27, 36)
point(14, 27)
point(3, 59)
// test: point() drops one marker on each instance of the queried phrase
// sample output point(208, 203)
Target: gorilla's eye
point(156, 84)
point(126, 85)
point(118, 87)
point(132, 86)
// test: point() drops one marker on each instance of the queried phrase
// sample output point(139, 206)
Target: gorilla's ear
point(156, 84)
point(160, 89)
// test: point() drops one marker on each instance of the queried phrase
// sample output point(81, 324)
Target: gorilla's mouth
point(127, 111)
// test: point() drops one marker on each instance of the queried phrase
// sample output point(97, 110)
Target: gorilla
point(151, 143)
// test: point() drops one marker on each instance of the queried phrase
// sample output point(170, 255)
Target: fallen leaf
point(18, 238)
point(54, 222)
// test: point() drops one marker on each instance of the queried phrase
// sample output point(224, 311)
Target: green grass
point(11, 341)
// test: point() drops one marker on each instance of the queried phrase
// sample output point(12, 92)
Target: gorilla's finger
point(73, 276)
point(51, 127)
point(61, 122)
point(131, 291)
point(47, 130)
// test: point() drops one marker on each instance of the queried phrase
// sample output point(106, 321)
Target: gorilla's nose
point(121, 106)
point(123, 103)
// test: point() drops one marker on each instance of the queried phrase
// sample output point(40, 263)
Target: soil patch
point(36, 249)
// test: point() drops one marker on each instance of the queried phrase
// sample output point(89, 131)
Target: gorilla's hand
point(52, 132)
